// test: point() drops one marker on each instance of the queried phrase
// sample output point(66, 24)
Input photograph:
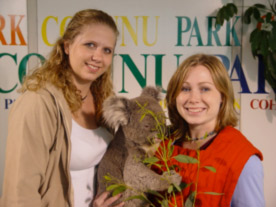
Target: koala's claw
point(173, 177)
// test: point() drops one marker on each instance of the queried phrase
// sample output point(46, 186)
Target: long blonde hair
point(227, 114)
point(57, 70)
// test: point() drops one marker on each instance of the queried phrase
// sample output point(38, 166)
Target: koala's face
point(139, 126)
point(142, 127)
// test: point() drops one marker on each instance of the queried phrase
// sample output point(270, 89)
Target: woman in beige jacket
point(65, 93)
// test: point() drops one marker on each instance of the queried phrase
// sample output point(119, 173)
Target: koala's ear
point(115, 111)
point(154, 92)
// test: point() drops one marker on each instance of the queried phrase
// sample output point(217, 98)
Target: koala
point(122, 159)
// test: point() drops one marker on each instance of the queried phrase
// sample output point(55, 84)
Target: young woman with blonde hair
point(56, 136)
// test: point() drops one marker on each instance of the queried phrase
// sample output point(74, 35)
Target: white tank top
point(88, 148)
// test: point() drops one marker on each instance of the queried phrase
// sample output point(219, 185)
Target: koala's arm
point(143, 178)
point(112, 163)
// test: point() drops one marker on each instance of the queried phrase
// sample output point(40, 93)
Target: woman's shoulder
point(234, 134)
point(31, 96)
point(43, 98)
point(230, 129)
point(235, 140)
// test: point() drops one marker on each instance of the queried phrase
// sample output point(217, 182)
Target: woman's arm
point(31, 132)
point(249, 191)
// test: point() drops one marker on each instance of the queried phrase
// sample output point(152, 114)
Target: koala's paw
point(173, 177)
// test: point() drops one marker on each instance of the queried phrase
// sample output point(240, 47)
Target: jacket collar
point(62, 106)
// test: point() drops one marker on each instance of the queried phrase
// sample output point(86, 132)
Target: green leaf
point(155, 193)
point(255, 39)
point(140, 197)
point(225, 13)
point(247, 15)
point(170, 148)
point(151, 160)
point(272, 41)
point(185, 159)
point(256, 14)
point(255, 35)
point(212, 169)
point(270, 69)
point(260, 6)
point(165, 203)
point(188, 203)
point(107, 178)
point(170, 189)
point(173, 167)
point(264, 43)
point(178, 188)
point(213, 193)
point(270, 80)
point(197, 152)
point(274, 25)
point(112, 187)
point(270, 61)
point(230, 10)
point(273, 35)
point(170, 143)
point(219, 18)
point(159, 136)
point(190, 200)
point(233, 8)
point(268, 17)
point(118, 190)
point(142, 117)
point(158, 165)
point(184, 185)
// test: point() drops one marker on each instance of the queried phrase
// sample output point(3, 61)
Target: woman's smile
point(93, 68)
point(195, 110)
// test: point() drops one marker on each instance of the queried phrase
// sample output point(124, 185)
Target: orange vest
point(228, 154)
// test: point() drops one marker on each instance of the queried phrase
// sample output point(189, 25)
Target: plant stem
point(197, 175)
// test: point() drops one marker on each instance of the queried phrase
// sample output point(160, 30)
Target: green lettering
point(14, 57)
point(177, 59)
point(232, 31)
point(212, 33)
point(197, 34)
point(134, 70)
point(23, 65)
point(180, 30)
point(158, 71)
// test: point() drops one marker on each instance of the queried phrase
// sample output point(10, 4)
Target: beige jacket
point(38, 151)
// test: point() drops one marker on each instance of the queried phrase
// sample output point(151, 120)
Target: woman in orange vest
point(229, 171)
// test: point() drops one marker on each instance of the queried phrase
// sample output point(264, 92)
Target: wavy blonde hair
point(227, 115)
point(57, 69)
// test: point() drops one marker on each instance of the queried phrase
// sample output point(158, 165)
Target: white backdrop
point(155, 35)
point(12, 51)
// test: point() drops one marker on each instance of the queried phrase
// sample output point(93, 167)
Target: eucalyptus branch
point(162, 159)
point(197, 175)
point(118, 186)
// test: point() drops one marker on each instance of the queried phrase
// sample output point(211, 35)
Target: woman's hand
point(103, 200)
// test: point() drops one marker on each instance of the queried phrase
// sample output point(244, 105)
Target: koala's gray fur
point(131, 135)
